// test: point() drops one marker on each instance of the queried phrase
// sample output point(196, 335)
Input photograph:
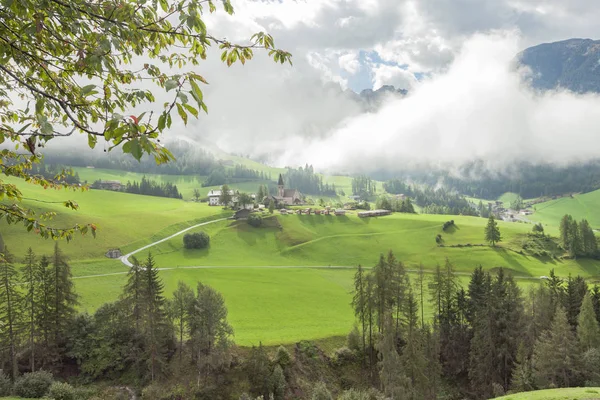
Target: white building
point(214, 195)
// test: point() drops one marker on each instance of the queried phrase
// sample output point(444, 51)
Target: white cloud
point(392, 75)
point(349, 63)
point(479, 109)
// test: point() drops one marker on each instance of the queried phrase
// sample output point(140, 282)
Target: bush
point(85, 393)
point(5, 385)
point(308, 349)
point(61, 391)
point(33, 384)
point(255, 220)
point(447, 225)
point(198, 240)
point(354, 341)
point(344, 355)
point(320, 392)
point(283, 357)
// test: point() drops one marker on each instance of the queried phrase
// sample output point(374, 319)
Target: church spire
point(280, 183)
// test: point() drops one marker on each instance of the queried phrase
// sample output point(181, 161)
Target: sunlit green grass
point(580, 206)
point(556, 394)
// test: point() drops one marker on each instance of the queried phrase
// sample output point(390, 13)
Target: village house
point(107, 185)
point(287, 197)
point(215, 195)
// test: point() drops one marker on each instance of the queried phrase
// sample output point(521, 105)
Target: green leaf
point(171, 84)
point(136, 149)
point(162, 120)
point(164, 5)
point(182, 113)
point(92, 140)
point(191, 109)
point(87, 89)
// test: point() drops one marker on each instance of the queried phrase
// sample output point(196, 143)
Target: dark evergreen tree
point(556, 354)
point(10, 311)
point(492, 232)
point(65, 298)
point(31, 282)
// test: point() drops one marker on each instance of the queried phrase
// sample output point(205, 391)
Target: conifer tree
point(492, 232)
point(522, 377)
point(258, 371)
point(414, 352)
point(572, 297)
point(588, 329)
point(211, 331)
point(134, 292)
point(31, 284)
point(65, 298)
point(278, 383)
point(156, 332)
point(556, 354)
point(179, 310)
point(394, 383)
point(10, 309)
point(46, 310)
point(359, 302)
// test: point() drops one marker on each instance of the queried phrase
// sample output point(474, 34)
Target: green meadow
point(590, 393)
point(580, 206)
point(288, 280)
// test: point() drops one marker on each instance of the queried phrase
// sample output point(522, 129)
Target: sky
point(453, 56)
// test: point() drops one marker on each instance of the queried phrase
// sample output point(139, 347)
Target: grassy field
point(122, 219)
point(348, 241)
point(556, 394)
point(267, 301)
point(579, 206)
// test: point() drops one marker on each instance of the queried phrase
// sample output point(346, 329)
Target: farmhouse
point(213, 198)
point(287, 197)
point(242, 214)
point(107, 185)
point(374, 213)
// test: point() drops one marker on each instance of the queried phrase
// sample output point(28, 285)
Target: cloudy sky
point(453, 56)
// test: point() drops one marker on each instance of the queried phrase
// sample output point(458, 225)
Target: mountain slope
point(572, 64)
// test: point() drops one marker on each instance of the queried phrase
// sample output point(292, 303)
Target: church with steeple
point(288, 197)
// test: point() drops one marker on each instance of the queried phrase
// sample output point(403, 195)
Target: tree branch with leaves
point(74, 67)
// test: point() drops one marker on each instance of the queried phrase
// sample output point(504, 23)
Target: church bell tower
point(280, 185)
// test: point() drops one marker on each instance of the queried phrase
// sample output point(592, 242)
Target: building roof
point(289, 192)
point(280, 182)
point(216, 193)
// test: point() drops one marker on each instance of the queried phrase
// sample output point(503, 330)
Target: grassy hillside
point(348, 241)
point(121, 218)
point(579, 206)
point(556, 394)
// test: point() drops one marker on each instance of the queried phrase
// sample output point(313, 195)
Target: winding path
point(125, 259)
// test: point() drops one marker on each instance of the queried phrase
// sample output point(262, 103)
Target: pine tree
point(65, 298)
point(588, 329)
point(134, 292)
point(179, 310)
point(359, 302)
point(556, 354)
point(10, 309)
point(572, 297)
point(278, 383)
point(46, 310)
point(271, 206)
point(156, 330)
point(414, 352)
point(211, 331)
point(31, 283)
point(394, 383)
point(492, 232)
point(258, 371)
point(522, 377)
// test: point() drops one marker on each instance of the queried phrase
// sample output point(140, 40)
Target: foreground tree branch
point(73, 64)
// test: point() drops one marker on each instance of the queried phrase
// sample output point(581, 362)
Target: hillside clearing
point(556, 394)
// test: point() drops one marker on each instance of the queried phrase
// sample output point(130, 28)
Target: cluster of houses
point(310, 211)
point(284, 197)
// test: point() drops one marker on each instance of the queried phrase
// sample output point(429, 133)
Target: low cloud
point(479, 109)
